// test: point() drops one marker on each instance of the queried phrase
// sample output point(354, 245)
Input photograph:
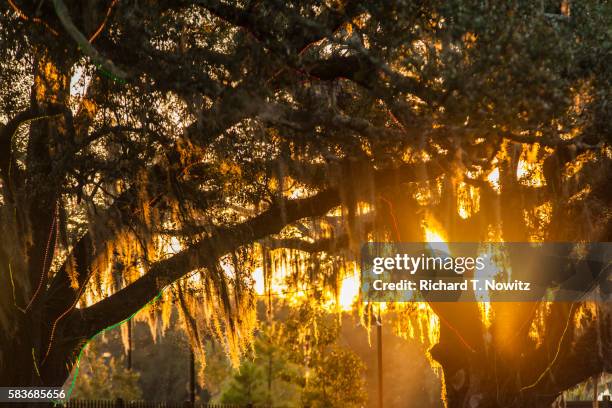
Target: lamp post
point(380, 359)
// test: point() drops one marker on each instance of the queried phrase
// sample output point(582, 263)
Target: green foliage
point(217, 369)
point(335, 381)
point(268, 378)
point(170, 352)
point(298, 362)
point(245, 386)
point(102, 376)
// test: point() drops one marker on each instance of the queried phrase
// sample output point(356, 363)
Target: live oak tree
point(143, 142)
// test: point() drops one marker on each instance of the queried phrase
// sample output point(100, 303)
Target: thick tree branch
point(587, 352)
point(222, 241)
point(200, 255)
point(322, 245)
point(7, 131)
point(83, 43)
point(550, 141)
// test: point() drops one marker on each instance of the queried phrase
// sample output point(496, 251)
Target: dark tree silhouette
point(125, 123)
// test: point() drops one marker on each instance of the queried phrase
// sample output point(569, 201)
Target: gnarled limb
point(83, 43)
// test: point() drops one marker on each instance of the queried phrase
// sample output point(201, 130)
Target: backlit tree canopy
point(192, 143)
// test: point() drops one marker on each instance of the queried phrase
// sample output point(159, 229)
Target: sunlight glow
point(468, 200)
point(432, 235)
point(482, 295)
point(259, 284)
point(530, 168)
point(435, 237)
point(349, 290)
point(493, 178)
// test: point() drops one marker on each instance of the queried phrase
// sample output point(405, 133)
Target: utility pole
point(380, 358)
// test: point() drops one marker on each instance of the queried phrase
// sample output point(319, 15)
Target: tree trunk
point(507, 375)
